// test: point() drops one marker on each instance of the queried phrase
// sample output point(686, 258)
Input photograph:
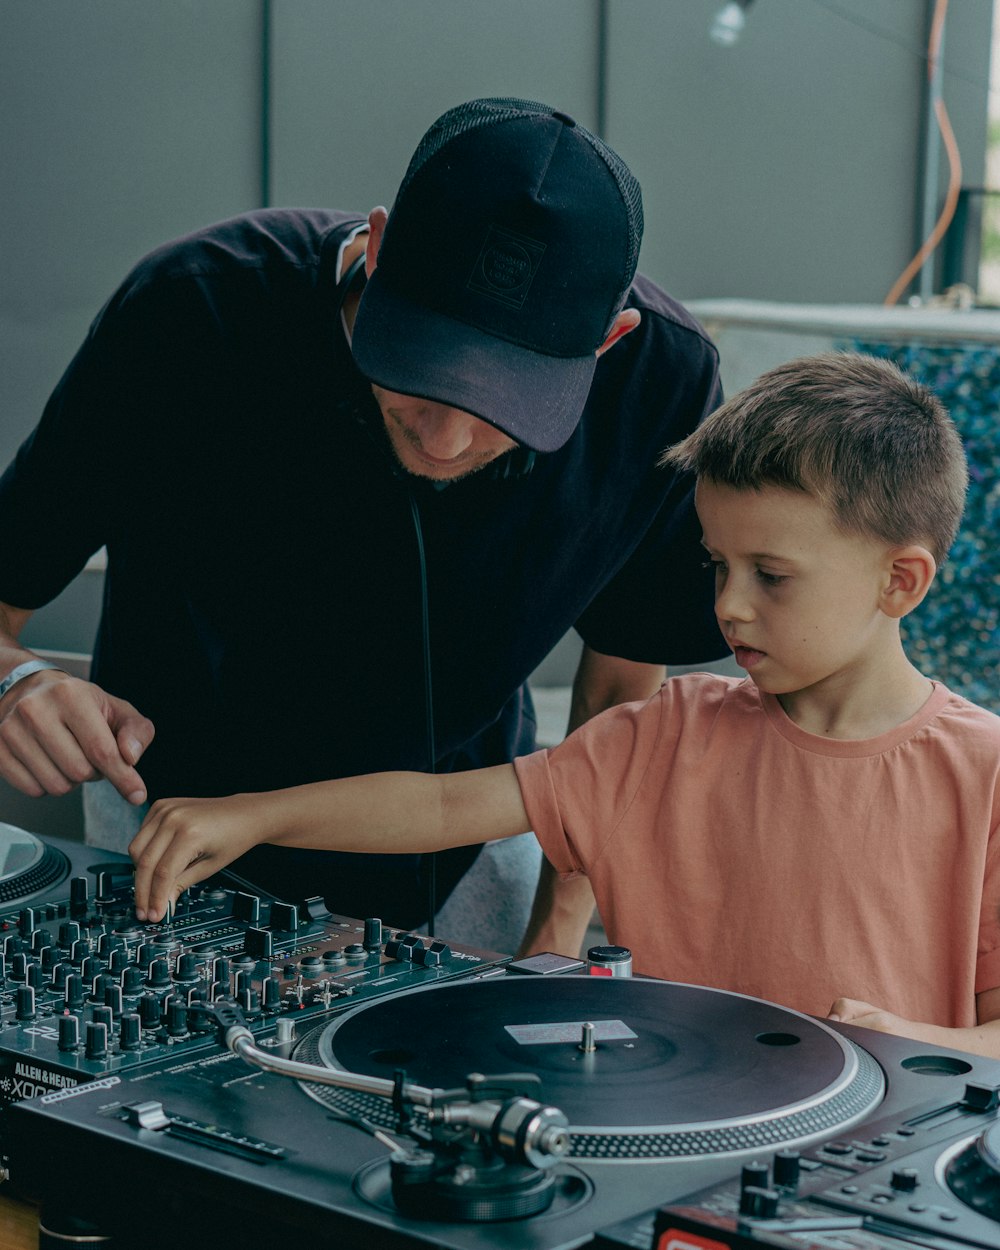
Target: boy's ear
point(911, 570)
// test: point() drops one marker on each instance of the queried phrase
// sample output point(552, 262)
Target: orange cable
point(954, 164)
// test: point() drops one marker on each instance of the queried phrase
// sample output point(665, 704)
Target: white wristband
point(24, 670)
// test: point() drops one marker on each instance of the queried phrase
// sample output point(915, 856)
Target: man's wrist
point(28, 669)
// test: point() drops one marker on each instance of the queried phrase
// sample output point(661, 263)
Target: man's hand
point(57, 731)
point(183, 841)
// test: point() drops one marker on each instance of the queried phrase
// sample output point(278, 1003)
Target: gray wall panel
point(121, 124)
point(355, 85)
point(787, 167)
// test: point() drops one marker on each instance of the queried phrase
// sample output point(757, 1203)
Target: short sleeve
point(577, 793)
point(657, 605)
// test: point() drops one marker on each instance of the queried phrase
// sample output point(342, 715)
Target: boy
point(829, 825)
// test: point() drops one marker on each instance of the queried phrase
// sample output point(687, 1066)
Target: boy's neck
point(860, 705)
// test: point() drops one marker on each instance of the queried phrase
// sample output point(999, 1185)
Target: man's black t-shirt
point(263, 598)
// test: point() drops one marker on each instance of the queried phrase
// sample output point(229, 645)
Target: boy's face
point(796, 598)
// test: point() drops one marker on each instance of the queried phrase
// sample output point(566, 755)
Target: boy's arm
point(982, 1038)
point(183, 841)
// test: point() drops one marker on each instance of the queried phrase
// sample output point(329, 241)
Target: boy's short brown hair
point(856, 432)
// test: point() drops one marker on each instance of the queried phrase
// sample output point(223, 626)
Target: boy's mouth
point(747, 657)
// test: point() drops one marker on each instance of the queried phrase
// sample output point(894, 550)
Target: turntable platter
point(27, 864)
point(675, 1070)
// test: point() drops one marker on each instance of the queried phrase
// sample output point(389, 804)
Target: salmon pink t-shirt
point(728, 847)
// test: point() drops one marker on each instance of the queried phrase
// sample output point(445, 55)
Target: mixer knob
point(222, 971)
point(130, 1036)
point(11, 945)
point(187, 968)
point(19, 967)
point(79, 951)
point(244, 982)
point(149, 1011)
point(103, 1015)
point(25, 1009)
point(100, 986)
point(159, 974)
point(373, 934)
point(69, 1032)
point(40, 939)
point(73, 991)
point(36, 977)
point(69, 932)
point(26, 922)
point(59, 974)
point(78, 897)
point(133, 979)
point(271, 994)
point(759, 1202)
point(905, 1179)
point(91, 969)
point(787, 1165)
point(177, 1018)
point(49, 957)
point(97, 1040)
point(754, 1174)
point(113, 998)
point(119, 960)
point(105, 885)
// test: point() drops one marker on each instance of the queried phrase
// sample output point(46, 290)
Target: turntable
point(33, 871)
point(613, 1096)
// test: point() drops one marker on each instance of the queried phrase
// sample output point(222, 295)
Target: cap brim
point(406, 347)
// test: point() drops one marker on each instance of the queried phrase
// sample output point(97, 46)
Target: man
point(344, 527)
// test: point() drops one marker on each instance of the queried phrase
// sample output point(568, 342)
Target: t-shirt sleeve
point(577, 793)
point(988, 957)
point(657, 607)
point(82, 470)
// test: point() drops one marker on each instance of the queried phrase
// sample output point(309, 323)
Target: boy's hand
point(183, 841)
point(854, 1011)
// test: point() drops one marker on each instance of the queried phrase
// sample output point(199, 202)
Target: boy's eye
point(770, 579)
point(717, 565)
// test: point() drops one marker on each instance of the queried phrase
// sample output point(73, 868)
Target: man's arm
point(57, 731)
point(983, 1038)
point(562, 909)
point(183, 841)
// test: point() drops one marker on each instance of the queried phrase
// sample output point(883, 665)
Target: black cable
point(428, 699)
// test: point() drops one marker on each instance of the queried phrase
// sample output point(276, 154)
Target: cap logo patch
point(506, 266)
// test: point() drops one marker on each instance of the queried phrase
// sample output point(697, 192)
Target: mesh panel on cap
point(476, 113)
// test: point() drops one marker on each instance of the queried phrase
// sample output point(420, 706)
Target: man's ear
point(376, 228)
point(911, 572)
point(623, 324)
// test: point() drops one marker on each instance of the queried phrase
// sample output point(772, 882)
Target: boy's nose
point(731, 603)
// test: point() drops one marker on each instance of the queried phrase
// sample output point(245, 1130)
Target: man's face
point(434, 441)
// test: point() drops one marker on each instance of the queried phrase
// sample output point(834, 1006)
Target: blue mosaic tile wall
point(954, 636)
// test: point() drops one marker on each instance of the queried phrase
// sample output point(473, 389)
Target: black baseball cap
point(509, 250)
